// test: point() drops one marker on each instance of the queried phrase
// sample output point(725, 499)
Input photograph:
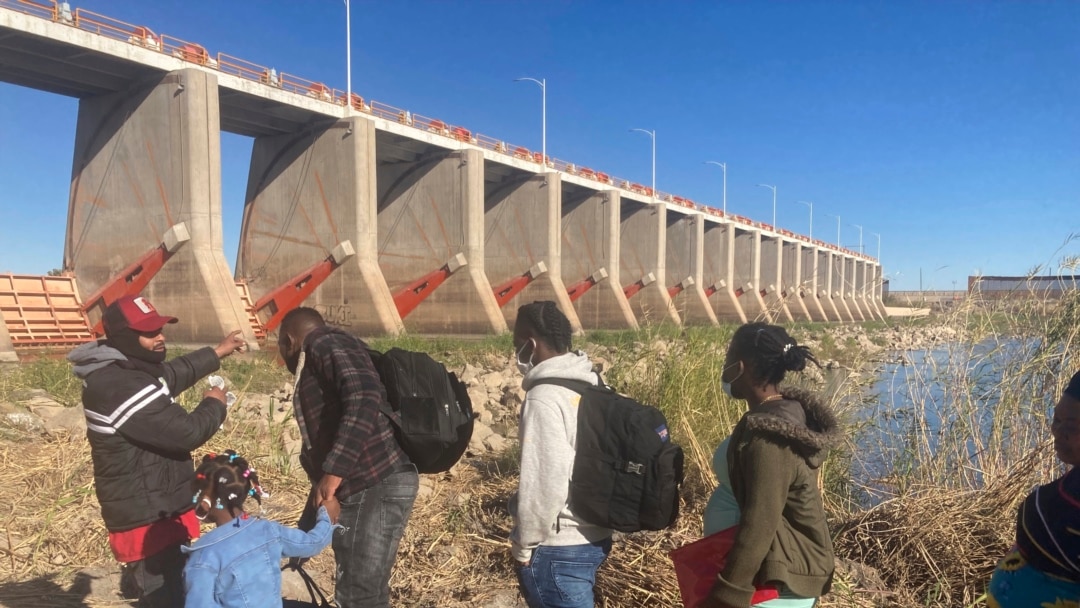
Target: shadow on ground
point(46, 592)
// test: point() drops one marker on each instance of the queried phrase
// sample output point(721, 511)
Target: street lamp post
point(724, 167)
point(811, 206)
point(543, 117)
point(837, 227)
point(348, 56)
point(652, 135)
point(773, 188)
point(878, 245)
point(860, 236)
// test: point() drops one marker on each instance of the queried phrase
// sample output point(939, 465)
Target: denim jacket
point(238, 565)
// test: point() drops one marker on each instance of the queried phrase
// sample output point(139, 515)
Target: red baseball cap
point(133, 312)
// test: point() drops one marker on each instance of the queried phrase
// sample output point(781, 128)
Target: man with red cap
point(141, 441)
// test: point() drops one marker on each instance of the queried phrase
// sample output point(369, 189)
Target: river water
point(949, 415)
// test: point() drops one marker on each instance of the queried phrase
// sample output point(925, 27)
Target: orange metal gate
point(43, 311)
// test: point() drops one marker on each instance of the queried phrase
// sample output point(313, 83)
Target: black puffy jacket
point(140, 438)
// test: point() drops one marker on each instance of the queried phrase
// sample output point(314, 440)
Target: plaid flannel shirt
point(337, 404)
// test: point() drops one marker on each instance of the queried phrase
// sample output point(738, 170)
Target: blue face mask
point(726, 386)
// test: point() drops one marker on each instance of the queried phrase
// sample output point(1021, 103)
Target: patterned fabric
point(337, 405)
point(1048, 527)
point(1018, 584)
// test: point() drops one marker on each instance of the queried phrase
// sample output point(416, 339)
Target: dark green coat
point(774, 460)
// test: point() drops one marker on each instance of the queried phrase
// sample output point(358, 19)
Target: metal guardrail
point(195, 53)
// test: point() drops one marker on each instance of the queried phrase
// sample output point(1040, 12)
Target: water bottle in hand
point(219, 382)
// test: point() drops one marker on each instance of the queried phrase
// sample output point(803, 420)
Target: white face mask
point(525, 366)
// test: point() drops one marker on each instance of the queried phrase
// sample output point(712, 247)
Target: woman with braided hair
point(237, 564)
point(769, 471)
point(558, 553)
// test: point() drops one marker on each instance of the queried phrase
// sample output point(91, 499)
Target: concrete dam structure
point(384, 220)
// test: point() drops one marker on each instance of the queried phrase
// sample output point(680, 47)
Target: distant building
point(1027, 287)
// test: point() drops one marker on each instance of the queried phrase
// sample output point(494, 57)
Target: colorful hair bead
point(218, 504)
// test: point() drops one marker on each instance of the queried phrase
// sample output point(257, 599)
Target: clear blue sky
point(950, 128)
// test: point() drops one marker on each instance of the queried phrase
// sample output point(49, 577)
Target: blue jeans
point(365, 550)
point(562, 577)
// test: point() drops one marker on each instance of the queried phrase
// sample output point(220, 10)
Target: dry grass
point(934, 542)
point(938, 546)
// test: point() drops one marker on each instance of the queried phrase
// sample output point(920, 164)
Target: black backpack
point(627, 470)
point(429, 407)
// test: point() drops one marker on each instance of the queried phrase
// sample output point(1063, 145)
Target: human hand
point(333, 509)
point(216, 392)
point(325, 489)
point(232, 343)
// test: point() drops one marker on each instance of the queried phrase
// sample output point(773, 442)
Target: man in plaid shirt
point(349, 452)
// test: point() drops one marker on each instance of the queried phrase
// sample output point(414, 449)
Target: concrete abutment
point(642, 264)
point(523, 226)
point(591, 230)
point(685, 260)
point(431, 210)
point(748, 275)
point(7, 350)
point(307, 192)
point(719, 271)
point(146, 159)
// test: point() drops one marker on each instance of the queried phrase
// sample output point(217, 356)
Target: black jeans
point(365, 550)
point(157, 581)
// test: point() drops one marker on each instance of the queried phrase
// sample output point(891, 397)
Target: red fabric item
point(698, 563)
point(140, 543)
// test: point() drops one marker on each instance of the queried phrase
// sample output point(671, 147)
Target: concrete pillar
point(719, 270)
point(792, 279)
point(748, 274)
point(7, 351)
point(431, 208)
point(836, 286)
point(876, 284)
point(811, 284)
point(825, 286)
point(850, 289)
point(146, 159)
point(685, 262)
point(862, 292)
point(590, 250)
point(306, 193)
point(523, 226)
point(772, 276)
point(642, 247)
point(873, 279)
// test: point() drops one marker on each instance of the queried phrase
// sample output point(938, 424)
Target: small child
point(237, 563)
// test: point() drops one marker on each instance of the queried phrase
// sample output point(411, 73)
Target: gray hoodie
point(92, 356)
point(548, 435)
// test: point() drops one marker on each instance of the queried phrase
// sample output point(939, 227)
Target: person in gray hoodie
point(557, 552)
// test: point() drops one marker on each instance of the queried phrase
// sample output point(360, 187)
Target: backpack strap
point(385, 408)
point(317, 596)
point(578, 386)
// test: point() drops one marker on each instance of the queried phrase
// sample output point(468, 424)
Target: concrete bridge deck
point(423, 202)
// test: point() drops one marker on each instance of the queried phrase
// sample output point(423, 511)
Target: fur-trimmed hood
point(802, 420)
